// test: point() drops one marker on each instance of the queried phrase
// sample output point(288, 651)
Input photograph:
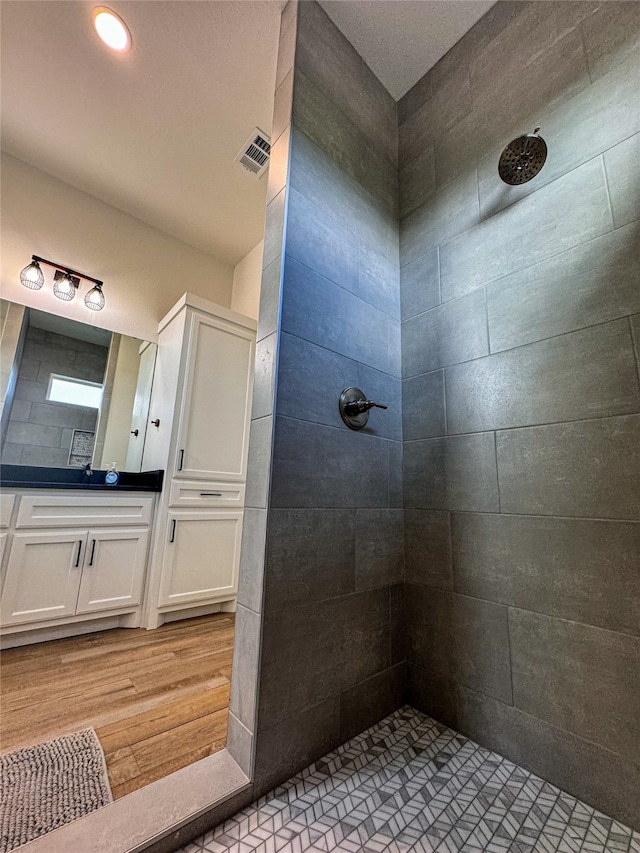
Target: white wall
point(247, 276)
point(144, 270)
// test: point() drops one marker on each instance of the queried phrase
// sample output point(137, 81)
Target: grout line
point(513, 693)
point(608, 191)
point(495, 446)
point(336, 283)
point(444, 403)
point(554, 517)
point(512, 348)
point(439, 276)
point(342, 355)
point(510, 606)
point(635, 344)
point(523, 426)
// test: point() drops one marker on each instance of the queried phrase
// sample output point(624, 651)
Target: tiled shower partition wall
point(325, 517)
point(520, 402)
point(521, 395)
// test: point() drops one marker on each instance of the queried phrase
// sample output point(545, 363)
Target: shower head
point(523, 158)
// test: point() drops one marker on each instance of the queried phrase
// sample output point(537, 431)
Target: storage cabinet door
point(113, 572)
point(43, 576)
point(201, 557)
point(214, 419)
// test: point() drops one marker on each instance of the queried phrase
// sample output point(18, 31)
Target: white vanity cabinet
point(205, 358)
point(213, 426)
point(72, 556)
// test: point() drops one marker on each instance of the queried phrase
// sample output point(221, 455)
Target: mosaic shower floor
point(411, 784)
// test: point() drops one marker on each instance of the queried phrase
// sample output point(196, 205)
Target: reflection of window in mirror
point(74, 392)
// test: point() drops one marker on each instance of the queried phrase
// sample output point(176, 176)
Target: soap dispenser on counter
point(112, 476)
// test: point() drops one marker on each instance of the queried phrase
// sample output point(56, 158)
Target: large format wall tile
point(321, 242)
point(600, 282)
point(423, 406)
point(585, 374)
point(291, 744)
point(324, 313)
point(459, 638)
point(311, 378)
point(320, 466)
point(379, 548)
point(576, 130)
point(427, 536)
point(523, 41)
point(536, 228)
point(417, 181)
point(587, 468)
point(369, 701)
point(431, 694)
point(311, 555)
point(346, 638)
point(458, 472)
point(450, 211)
point(577, 569)
point(420, 285)
point(582, 679)
point(325, 56)
point(445, 335)
point(623, 179)
point(555, 75)
point(611, 36)
point(336, 194)
point(586, 770)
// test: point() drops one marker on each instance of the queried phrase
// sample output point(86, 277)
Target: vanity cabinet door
point(113, 570)
point(213, 433)
point(201, 557)
point(43, 576)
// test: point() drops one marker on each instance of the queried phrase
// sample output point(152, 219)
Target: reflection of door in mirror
point(140, 414)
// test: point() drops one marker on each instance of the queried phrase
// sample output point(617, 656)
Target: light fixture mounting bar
point(66, 269)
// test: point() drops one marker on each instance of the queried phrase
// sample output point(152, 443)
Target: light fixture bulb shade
point(95, 298)
point(64, 288)
point(32, 276)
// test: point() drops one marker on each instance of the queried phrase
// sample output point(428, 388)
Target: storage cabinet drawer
point(191, 493)
point(6, 508)
point(88, 510)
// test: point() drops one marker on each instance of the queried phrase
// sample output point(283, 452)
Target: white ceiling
point(155, 132)
point(400, 40)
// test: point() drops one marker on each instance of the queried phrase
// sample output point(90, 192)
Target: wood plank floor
point(158, 700)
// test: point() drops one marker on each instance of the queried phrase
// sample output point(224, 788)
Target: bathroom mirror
point(73, 394)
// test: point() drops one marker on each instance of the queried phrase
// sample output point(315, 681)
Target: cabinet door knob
point(135, 432)
point(156, 423)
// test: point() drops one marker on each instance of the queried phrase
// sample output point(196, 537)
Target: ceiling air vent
point(254, 155)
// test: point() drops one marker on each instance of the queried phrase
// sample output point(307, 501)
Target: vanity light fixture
point(65, 282)
point(32, 276)
point(111, 29)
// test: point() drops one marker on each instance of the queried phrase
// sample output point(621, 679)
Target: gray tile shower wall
point(323, 547)
point(521, 396)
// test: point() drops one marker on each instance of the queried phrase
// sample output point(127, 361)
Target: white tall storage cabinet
point(199, 432)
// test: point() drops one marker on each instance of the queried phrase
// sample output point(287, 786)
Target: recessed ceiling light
point(111, 29)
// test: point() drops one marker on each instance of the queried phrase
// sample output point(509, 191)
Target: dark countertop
point(36, 477)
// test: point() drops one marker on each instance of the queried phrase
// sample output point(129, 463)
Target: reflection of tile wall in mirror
point(81, 452)
point(38, 430)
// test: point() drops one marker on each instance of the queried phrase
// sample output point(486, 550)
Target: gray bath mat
point(45, 786)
